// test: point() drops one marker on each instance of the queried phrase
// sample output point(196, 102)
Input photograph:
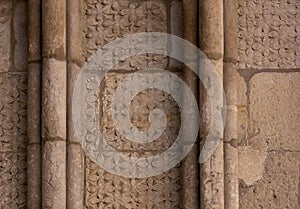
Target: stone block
point(211, 28)
point(54, 29)
point(279, 187)
point(54, 174)
point(54, 98)
point(275, 109)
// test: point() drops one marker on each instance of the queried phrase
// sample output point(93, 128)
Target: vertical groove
point(34, 198)
point(190, 168)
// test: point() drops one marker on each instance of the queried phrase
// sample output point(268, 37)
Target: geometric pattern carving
point(141, 106)
point(107, 20)
point(13, 112)
point(13, 180)
point(269, 34)
point(105, 190)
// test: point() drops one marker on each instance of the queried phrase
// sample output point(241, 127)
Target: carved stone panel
point(269, 34)
point(105, 190)
point(107, 20)
point(12, 180)
point(13, 112)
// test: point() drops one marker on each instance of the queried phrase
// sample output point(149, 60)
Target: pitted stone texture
point(5, 35)
point(13, 112)
point(20, 33)
point(141, 106)
point(13, 180)
point(269, 34)
point(106, 21)
point(279, 187)
point(275, 109)
point(104, 190)
point(54, 98)
point(54, 174)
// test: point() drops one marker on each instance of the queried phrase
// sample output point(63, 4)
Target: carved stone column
point(54, 90)
point(211, 43)
point(34, 197)
point(231, 184)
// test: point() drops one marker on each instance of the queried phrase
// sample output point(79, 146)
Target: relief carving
point(269, 34)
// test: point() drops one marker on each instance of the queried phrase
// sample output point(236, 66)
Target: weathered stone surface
point(211, 28)
point(104, 190)
point(269, 34)
point(231, 184)
point(13, 180)
point(54, 29)
point(73, 72)
point(34, 103)
point(230, 83)
point(34, 173)
point(54, 98)
point(106, 21)
point(268, 159)
point(5, 37)
point(141, 106)
point(279, 187)
point(75, 176)
point(275, 109)
point(133, 17)
point(54, 174)
point(74, 32)
point(13, 112)
point(230, 30)
point(34, 32)
point(212, 183)
point(251, 160)
point(20, 34)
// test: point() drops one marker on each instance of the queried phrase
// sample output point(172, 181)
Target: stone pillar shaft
point(190, 168)
point(211, 43)
point(54, 90)
point(75, 165)
point(231, 185)
point(34, 198)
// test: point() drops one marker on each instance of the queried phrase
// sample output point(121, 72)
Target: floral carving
point(269, 34)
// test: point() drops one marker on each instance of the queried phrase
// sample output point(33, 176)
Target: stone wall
point(255, 48)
